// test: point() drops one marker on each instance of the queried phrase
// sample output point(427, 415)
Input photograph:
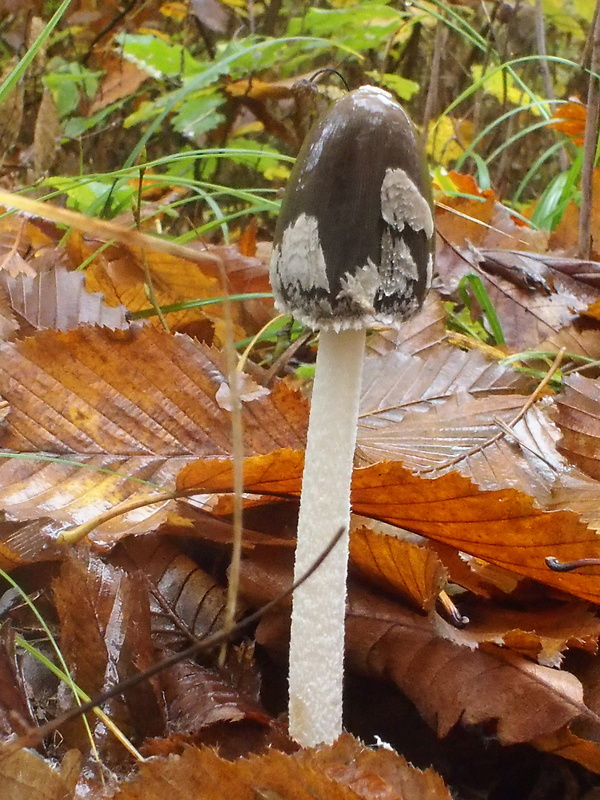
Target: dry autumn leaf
point(114, 416)
point(503, 527)
point(579, 422)
point(57, 299)
point(25, 774)
point(333, 773)
point(383, 639)
point(399, 565)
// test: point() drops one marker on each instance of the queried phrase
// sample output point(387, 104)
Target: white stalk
point(318, 615)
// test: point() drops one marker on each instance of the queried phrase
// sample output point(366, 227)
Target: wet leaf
point(579, 421)
point(106, 417)
point(102, 612)
point(186, 602)
point(503, 527)
point(423, 332)
point(521, 699)
point(400, 566)
point(198, 697)
point(542, 634)
point(338, 772)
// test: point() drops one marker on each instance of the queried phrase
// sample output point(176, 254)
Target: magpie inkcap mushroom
point(353, 248)
point(354, 240)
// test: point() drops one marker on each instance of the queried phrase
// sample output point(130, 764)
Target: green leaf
point(198, 114)
point(402, 87)
point(158, 58)
point(361, 27)
point(66, 81)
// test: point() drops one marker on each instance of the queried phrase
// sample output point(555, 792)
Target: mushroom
point(353, 249)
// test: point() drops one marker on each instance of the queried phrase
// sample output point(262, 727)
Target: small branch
point(74, 535)
point(36, 736)
point(568, 566)
point(590, 144)
point(540, 35)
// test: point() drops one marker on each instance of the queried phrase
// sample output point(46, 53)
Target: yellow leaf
point(175, 10)
point(447, 139)
point(501, 86)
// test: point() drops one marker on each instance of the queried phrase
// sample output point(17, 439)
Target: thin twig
point(590, 143)
point(533, 397)
point(36, 736)
point(540, 36)
point(105, 230)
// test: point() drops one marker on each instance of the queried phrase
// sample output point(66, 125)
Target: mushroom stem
point(319, 604)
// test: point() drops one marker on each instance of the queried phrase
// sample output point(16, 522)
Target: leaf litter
point(450, 493)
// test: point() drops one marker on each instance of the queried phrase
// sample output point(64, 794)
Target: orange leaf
point(570, 119)
point(400, 566)
point(503, 527)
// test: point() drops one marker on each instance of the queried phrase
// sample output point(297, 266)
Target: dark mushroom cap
point(354, 240)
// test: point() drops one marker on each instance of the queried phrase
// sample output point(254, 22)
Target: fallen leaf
point(105, 638)
point(332, 773)
point(400, 566)
point(423, 332)
point(579, 422)
point(569, 118)
point(46, 136)
point(522, 700)
point(105, 417)
point(57, 299)
point(503, 527)
point(122, 79)
point(25, 774)
point(186, 603)
point(542, 634)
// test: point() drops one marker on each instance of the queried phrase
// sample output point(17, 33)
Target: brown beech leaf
point(468, 436)
point(386, 640)
point(57, 299)
point(398, 565)
point(567, 744)
point(580, 338)
point(198, 697)
point(25, 775)
point(28, 541)
point(542, 634)
point(577, 492)
point(105, 638)
point(361, 767)
point(106, 417)
point(15, 713)
point(186, 603)
point(342, 771)
point(395, 382)
point(8, 321)
point(47, 135)
point(122, 78)
point(418, 335)
point(528, 316)
point(503, 527)
point(122, 275)
point(579, 421)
